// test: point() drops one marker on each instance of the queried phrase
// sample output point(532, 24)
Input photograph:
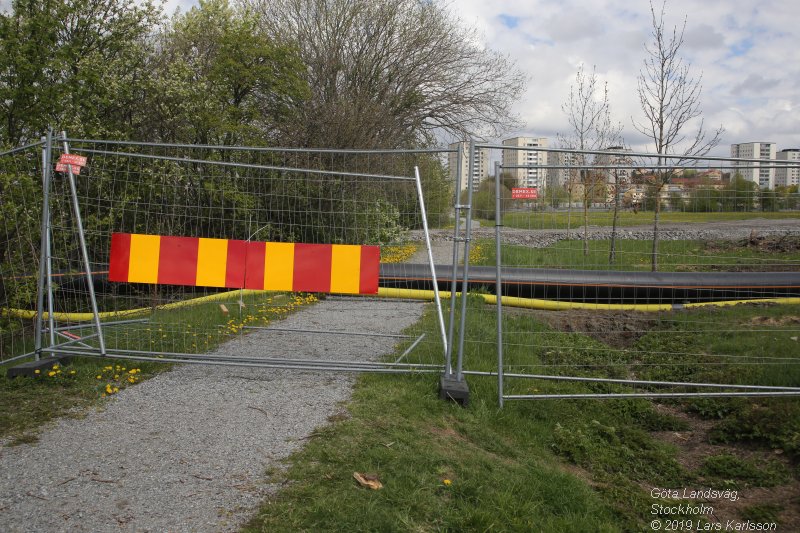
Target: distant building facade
point(480, 169)
point(788, 176)
point(531, 176)
point(753, 171)
point(561, 177)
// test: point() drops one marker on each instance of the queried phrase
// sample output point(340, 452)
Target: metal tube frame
point(454, 276)
point(437, 300)
point(40, 289)
point(465, 269)
point(498, 224)
point(248, 165)
point(76, 210)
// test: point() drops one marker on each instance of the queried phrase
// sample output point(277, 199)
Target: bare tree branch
point(392, 72)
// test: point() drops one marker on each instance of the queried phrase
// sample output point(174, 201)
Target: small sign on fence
point(72, 159)
point(524, 193)
point(61, 167)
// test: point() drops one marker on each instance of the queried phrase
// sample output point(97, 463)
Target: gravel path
point(188, 449)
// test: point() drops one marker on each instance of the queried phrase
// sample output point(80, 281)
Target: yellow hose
point(413, 294)
point(83, 317)
point(550, 305)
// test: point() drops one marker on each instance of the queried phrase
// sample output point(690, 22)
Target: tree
point(391, 73)
point(225, 81)
point(73, 62)
point(591, 129)
point(670, 100)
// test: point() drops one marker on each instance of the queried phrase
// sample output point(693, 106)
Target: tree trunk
point(612, 254)
point(585, 226)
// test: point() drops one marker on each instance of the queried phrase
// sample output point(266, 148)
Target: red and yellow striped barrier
point(273, 266)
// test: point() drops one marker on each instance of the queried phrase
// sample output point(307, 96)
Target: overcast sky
point(747, 52)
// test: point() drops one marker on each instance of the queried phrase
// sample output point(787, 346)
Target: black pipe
point(604, 286)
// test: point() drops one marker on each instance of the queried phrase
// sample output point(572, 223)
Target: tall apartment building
point(617, 156)
point(560, 176)
point(480, 169)
point(753, 171)
point(788, 176)
point(532, 176)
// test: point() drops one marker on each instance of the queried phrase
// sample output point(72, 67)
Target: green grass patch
point(551, 465)
point(738, 472)
point(674, 256)
point(563, 220)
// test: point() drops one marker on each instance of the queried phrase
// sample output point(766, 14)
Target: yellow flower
point(447, 482)
point(99, 376)
point(116, 389)
point(55, 367)
point(109, 390)
point(51, 373)
point(72, 372)
point(37, 371)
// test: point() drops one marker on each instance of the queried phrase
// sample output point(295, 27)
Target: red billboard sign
point(524, 193)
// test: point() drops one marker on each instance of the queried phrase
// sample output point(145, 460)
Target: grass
point(534, 466)
point(559, 219)
point(190, 329)
point(674, 256)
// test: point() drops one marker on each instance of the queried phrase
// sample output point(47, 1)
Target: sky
point(748, 54)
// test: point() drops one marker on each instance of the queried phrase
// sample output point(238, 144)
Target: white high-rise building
point(617, 156)
point(752, 171)
point(532, 176)
point(790, 175)
point(559, 177)
point(480, 169)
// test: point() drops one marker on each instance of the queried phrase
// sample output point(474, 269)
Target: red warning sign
point(72, 159)
point(63, 168)
point(524, 193)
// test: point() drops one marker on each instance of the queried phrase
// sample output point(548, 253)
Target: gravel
point(441, 240)
point(188, 449)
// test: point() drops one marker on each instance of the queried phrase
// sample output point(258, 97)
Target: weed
point(743, 472)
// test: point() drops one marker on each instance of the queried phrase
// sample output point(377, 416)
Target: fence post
point(498, 223)
point(43, 252)
point(454, 275)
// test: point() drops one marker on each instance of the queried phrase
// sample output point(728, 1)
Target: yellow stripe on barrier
point(148, 248)
point(279, 266)
point(345, 268)
point(211, 262)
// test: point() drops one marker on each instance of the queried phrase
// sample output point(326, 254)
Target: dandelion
point(447, 482)
point(71, 372)
point(98, 376)
point(55, 367)
point(51, 373)
point(109, 390)
point(37, 371)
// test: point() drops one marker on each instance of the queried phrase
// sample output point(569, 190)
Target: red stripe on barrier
point(120, 257)
point(312, 268)
point(254, 266)
point(236, 264)
point(370, 269)
point(177, 260)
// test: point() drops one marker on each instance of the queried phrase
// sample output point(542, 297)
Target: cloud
point(748, 59)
